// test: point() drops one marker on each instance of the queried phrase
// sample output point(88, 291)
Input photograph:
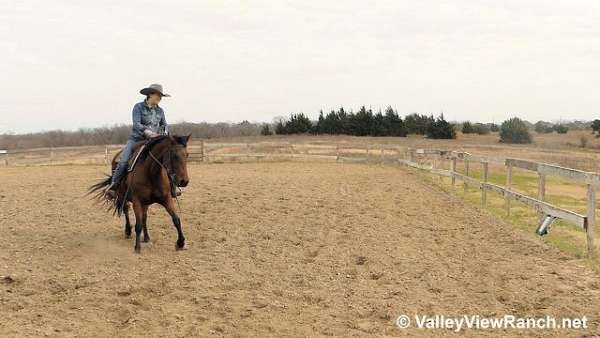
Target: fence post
point(441, 166)
point(452, 171)
point(541, 189)
point(106, 155)
point(508, 187)
point(382, 154)
point(337, 152)
point(202, 150)
point(6, 158)
point(484, 185)
point(465, 184)
point(541, 186)
point(590, 228)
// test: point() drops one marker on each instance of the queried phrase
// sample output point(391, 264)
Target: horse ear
point(187, 138)
point(182, 140)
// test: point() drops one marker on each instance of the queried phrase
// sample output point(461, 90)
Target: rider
point(148, 122)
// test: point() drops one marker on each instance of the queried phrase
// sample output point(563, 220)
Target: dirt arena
point(274, 249)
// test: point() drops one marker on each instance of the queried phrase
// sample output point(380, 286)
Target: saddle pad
point(135, 159)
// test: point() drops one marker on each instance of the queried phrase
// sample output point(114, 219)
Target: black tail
point(100, 186)
point(97, 192)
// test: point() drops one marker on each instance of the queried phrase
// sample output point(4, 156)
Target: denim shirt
point(146, 118)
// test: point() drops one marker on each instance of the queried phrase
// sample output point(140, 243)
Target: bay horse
point(161, 167)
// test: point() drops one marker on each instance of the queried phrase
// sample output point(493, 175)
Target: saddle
point(137, 154)
point(140, 151)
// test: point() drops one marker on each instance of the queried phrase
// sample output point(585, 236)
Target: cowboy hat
point(154, 88)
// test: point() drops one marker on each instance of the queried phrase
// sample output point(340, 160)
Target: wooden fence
point(414, 158)
point(206, 151)
point(211, 151)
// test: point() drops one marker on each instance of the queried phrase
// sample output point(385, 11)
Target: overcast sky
point(74, 63)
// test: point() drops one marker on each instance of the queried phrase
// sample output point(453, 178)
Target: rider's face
point(154, 98)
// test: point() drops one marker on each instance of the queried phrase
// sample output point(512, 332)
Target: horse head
point(178, 159)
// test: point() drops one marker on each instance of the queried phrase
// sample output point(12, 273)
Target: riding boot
point(111, 191)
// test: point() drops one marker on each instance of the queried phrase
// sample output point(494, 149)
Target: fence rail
point(206, 151)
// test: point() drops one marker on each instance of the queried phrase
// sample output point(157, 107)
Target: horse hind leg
point(127, 222)
point(145, 225)
point(138, 209)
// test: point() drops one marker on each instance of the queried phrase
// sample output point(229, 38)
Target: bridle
point(172, 176)
point(168, 166)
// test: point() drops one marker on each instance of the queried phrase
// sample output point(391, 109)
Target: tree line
point(118, 134)
point(364, 123)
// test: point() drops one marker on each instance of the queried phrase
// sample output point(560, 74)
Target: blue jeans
point(121, 169)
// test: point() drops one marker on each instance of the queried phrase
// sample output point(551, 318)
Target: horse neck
point(158, 151)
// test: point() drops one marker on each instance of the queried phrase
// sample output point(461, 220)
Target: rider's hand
point(150, 134)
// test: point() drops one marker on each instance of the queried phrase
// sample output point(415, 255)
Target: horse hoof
point(127, 236)
point(146, 240)
point(180, 248)
point(136, 250)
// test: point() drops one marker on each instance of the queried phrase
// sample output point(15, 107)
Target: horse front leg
point(170, 207)
point(127, 222)
point(138, 210)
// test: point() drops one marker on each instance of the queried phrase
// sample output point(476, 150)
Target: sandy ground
point(277, 249)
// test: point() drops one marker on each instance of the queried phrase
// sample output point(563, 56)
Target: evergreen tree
point(318, 128)
point(298, 124)
point(440, 129)
point(361, 122)
point(378, 127)
point(394, 124)
point(514, 130)
point(596, 127)
point(417, 124)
